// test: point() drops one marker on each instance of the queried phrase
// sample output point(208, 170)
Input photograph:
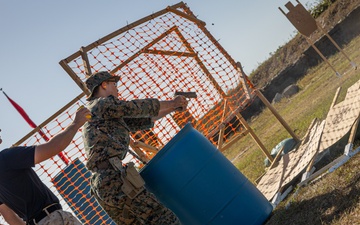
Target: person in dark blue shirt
point(22, 191)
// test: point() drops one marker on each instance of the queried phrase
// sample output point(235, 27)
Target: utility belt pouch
point(133, 184)
point(134, 176)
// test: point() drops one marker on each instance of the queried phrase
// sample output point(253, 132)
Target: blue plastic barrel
point(201, 186)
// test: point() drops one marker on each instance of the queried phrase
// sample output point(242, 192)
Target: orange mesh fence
point(168, 51)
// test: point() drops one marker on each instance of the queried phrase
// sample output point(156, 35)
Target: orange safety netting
point(168, 51)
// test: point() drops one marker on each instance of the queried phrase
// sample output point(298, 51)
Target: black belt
point(45, 212)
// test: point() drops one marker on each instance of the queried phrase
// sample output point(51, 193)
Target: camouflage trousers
point(143, 209)
point(59, 217)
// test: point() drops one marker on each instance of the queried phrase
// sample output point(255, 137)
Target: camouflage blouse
point(107, 133)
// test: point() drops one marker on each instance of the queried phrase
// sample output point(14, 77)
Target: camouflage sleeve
point(112, 107)
point(142, 108)
point(136, 124)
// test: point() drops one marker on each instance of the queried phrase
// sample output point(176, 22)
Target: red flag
point(31, 123)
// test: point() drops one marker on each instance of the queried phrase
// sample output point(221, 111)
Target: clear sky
point(35, 35)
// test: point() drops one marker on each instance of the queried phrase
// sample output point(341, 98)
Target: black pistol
point(189, 94)
point(186, 95)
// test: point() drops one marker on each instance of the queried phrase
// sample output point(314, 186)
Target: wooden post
point(276, 114)
point(139, 152)
point(278, 155)
point(353, 131)
point(243, 80)
point(153, 42)
point(145, 146)
point(222, 128)
point(234, 140)
point(128, 27)
point(286, 160)
point(201, 64)
point(323, 57)
point(338, 47)
point(85, 61)
point(256, 139)
point(74, 76)
point(336, 96)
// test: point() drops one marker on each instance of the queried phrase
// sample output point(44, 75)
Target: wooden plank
point(74, 76)
point(213, 40)
point(147, 147)
point(311, 163)
point(122, 30)
point(286, 160)
point(306, 136)
point(276, 114)
point(86, 62)
point(353, 131)
point(278, 155)
point(336, 96)
point(334, 43)
point(243, 80)
point(259, 178)
point(322, 56)
point(140, 153)
point(234, 140)
point(227, 120)
point(141, 50)
point(184, 15)
point(222, 128)
point(256, 139)
point(170, 53)
point(202, 66)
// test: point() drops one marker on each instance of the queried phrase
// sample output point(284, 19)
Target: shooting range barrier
point(168, 51)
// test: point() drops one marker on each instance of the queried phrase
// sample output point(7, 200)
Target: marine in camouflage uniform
point(106, 136)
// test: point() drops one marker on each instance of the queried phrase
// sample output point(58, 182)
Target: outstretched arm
point(10, 216)
point(179, 103)
point(63, 139)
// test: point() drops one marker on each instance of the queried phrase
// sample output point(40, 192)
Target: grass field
point(334, 199)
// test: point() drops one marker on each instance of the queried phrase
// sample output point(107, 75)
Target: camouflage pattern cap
point(96, 79)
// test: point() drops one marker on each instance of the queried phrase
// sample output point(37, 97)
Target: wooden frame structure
point(181, 10)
